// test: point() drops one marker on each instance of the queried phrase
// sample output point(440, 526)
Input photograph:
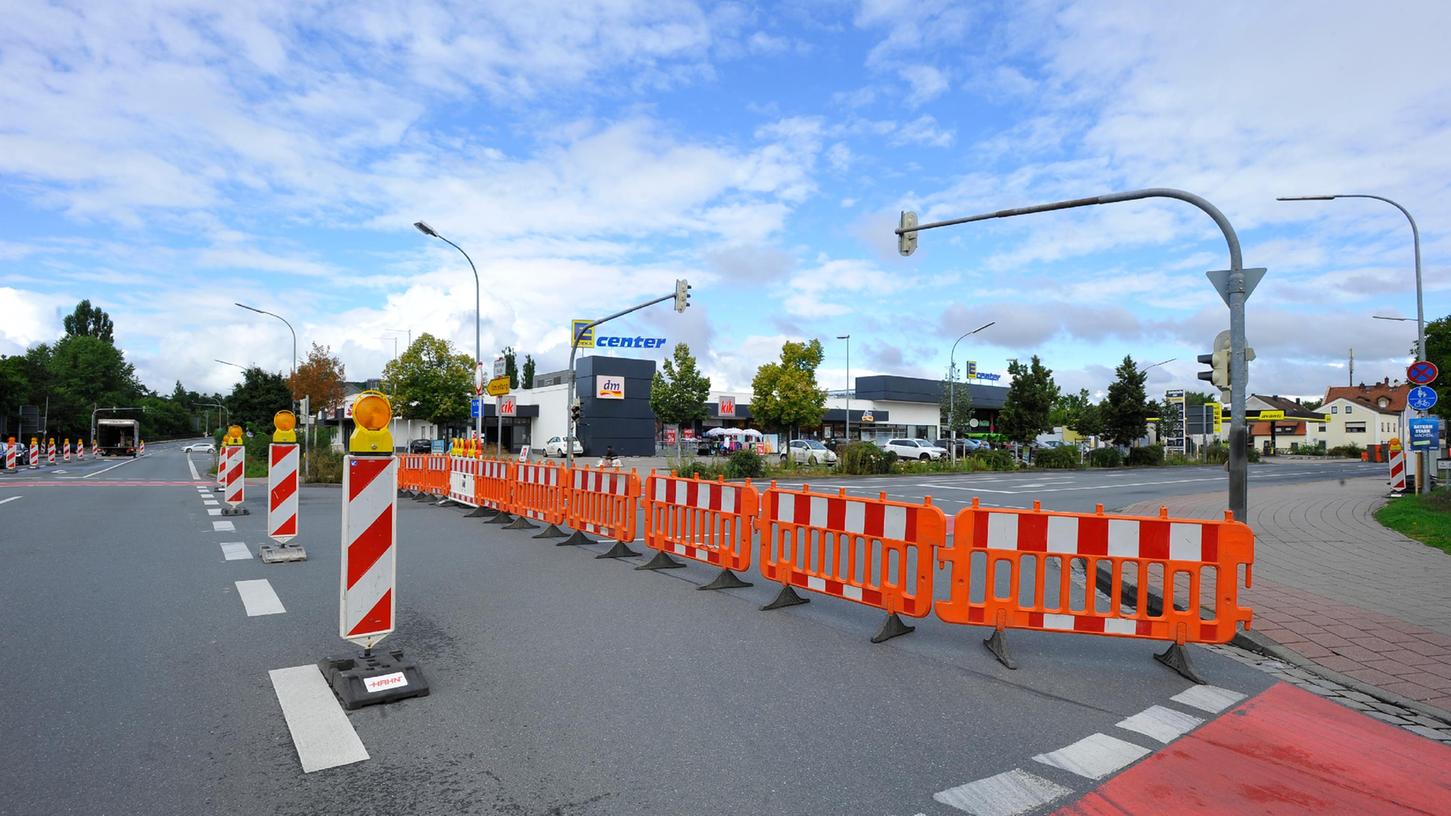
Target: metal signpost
point(1174, 425)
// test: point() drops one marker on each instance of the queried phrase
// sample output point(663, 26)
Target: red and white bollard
point(282, 461)
point(50, 452)
point(141, 448)
point(34, 453)
point(95, 448)
point(80, 450)
point(1398, 467)
point(66, 451)
point(367, 600)
point(234, 489)
point(12, 454)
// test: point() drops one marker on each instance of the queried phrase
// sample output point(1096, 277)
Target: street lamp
point(952, 387)
point(1156, 365)
point(1423, 481)
point(478, 319)
point(285, 323)
point(847, 338)
point(224, 362)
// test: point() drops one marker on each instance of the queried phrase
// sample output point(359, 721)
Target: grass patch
point(1427, 518)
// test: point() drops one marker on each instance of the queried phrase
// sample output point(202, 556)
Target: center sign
point(588, 339)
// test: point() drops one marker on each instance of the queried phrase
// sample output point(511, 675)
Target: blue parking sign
point(1425, 433)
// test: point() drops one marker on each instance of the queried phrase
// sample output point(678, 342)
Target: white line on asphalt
point(223, 527)
point(1007, 794)
point(320, 730)
point(112, 467)
point(1208, 698)
point(235, 551)
point(1094, 756)
point(210, 502)
point(258, 598)
point(214, 511)
point(1160, 723)
point(190, 464)
point(7, 501)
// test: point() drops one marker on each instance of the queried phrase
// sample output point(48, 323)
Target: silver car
point(808, 452)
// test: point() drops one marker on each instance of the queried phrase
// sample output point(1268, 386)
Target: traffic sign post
point(1422, 398)
point(1422, 372)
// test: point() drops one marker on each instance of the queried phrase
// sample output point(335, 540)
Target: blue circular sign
point(1422, 398)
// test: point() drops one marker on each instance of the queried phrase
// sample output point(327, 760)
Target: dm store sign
point(609, 387)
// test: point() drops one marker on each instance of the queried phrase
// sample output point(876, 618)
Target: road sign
point(1220, 279)
point(1425, 433)
point(1422, 397)
point(499, 367)
point(524, 454)
point(508, 406)
point(476, 408)
point(1422, 372)
point(498, 387)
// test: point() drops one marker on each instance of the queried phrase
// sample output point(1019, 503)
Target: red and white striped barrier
point(1398, 469)
point(12, 454)
point(141, 448)
point(370, 528)
point(282, 492)
point(95, 448)
point(50, 452)
point(81, 450)
point(34, 454)
point(462, 471)
point(222, 453)
point(234, 490)
point(66, 451)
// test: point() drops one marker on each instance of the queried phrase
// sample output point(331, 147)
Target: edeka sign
point(608, 386)
point(590, 340)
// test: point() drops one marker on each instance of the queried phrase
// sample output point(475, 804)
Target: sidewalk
point(1339, 590)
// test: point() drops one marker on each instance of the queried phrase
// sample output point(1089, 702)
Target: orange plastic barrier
point(537, 492)
point(492, 484)
point(876, 552)
point(436, 474)
point(603, 501)
point(410, 472)
point(704, 521)
point(1034, 569)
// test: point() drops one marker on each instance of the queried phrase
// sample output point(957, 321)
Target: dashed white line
point(235, 551)
point(192, 466)
point(1160, 723)
point(320, 730)
point(214, 511)
point(1006, 794)
point(1094, 756)
point(1208, 698)
point(258, 598)
point(210, 502)
point(223, 527)
point(7, 501)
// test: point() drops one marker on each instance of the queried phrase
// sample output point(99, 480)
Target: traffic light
point(907, 241)
point(1218, 362)
point(576, 412)
point(682, 295)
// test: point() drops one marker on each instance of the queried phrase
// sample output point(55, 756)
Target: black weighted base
point(520, 523)
point(236, 511)
point(661, 561)
point(575, 540)
point(620, 550)
point(501, 518)
point(998, 645)
point(477, 512)
point(787, 597)
point(551, 532)
point(373, 678)
point(1176, 657)
point(892, 627)
point(726, 580)
point(422, 497)
point(281, 553)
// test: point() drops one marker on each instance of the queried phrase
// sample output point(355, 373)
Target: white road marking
point(1094, 756)
point(1007, 794)
point(320, 730)
point(210, 503)
point(1208, 698)
point(194, 475)
point(214, 511)
point(223, 527)
point(235, 551)
point(258, 598)
point(1160, 723)
point(104, 470)
point(7, 501)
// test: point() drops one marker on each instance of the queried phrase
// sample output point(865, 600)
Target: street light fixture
point(1423, 481)
point(285, 323)
point(847, 338)
point(1156, 365)
point(478, 320)
point(224, 362)
point(952, 387)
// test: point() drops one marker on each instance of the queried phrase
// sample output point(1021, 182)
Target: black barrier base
point(550, 532)
point(501, 518)
point(620, 550)
point(892, 627)
point(477, 512)
point(422, 497)
point(726, 580)
point(444, 502)
point(575, 540)
point(998, 645)
point(236, 511)
point(281, 553)
point(1176, 657)
point(520, 523)
point(661, 561)
point(391, 675)
point(788, 597)
point(402, 494)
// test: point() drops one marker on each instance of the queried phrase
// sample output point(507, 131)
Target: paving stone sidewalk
point(1337, 589)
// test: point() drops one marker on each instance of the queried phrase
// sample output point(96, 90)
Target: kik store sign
point(590, 340)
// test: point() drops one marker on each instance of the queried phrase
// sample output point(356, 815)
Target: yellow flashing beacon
point(371, 414)
point(285, 422)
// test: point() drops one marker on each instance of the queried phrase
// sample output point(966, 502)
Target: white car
point(915, 449)
point(808, 452)
point(555, 446)
point(200, 447)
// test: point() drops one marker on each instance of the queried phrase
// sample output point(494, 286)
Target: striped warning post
point(222, 453)
point(141, 448)
point(370, 527)
point(1398, 467)
point(282, 492)
point(34, 453)
point(66, 452)
point(12, 454)
point(95, 447)
point(50, 452)
point(81, 450)
point(235, 488)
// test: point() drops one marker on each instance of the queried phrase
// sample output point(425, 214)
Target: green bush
point(1348, 451)
point(325, 465)
point(864, 459)
point(1065, 457)
point(992, 460)
point(1105, 458)
point(1152, 455)
point(745, 464)
point(700, 470)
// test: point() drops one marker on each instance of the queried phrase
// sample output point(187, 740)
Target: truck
point(117, 437)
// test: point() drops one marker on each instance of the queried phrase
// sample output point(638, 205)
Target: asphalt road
point(562, 684)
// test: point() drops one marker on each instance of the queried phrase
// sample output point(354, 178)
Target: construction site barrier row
point(709, 522)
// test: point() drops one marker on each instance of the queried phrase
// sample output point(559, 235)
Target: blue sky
point(165, 159)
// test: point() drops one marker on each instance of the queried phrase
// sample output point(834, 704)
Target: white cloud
point(926, 83)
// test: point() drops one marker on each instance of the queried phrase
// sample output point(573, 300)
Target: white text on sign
point(384, 682)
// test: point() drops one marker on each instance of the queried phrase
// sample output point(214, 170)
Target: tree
point(319, 378)
point(1126, 409)
point(785, 393)
point(89, 321)
point(954, 409)
point(678, 393)
point(511, 369)
point(1028, 403)
point(254, 400)
point(528, 375)
point(1078, 413)
point(431, 381)
point(1438, 351)
point(84, 371)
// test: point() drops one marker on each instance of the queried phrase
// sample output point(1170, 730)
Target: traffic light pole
point(1235, 296)
point(570, 432)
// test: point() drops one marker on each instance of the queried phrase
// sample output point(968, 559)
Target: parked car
point(964, 445)
point(915, 449)
point(554, 446)
point(808, 452)
point(200, 447)
point(421, 446)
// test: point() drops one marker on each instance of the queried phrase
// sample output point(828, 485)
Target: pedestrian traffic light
point(576, 412)
point(907, 241)
point(682, 295)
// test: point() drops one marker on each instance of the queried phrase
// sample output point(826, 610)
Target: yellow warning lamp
point(284, 422)
point(371, 414)
point(233, 436)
